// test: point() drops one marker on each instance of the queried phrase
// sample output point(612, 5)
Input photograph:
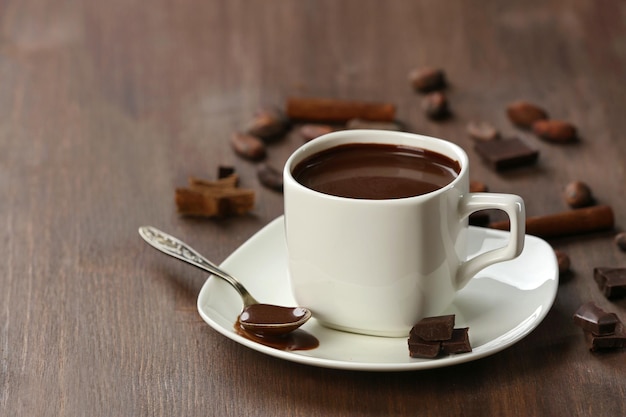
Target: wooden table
point(106, 107)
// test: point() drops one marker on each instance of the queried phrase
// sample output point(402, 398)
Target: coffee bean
point(577, 194)
point(620, 240)
point(562, 260)
point(427, 79)
point(555, 130)
point(310, 131)
point(482, 131)
point(267, 124)
point(270, 177)
point(524, 114)
point(248, 146)
point(435, 105)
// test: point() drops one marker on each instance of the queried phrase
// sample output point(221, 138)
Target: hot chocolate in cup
point(376, 225)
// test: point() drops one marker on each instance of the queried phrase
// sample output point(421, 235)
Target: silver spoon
point(258, 318)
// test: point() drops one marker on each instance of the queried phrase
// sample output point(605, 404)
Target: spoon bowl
point(268, 319)
point(255, 317)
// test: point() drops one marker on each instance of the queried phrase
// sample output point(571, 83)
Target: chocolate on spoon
point(258, 318)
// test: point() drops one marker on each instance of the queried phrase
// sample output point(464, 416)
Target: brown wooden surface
point(107, 106)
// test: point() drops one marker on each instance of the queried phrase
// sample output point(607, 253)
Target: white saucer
point(501, 305)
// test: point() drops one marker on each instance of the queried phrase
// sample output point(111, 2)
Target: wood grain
point(106, 107)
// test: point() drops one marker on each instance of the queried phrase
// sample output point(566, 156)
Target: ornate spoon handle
point(180, 250)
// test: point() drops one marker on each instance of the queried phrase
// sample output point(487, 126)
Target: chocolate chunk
point(433, 336)
point(611, 281)
point(458, 343)
point(612, 341)
point(593, 319)
point(504, 154)
point(598, 275)
point(419, 348)
point(224, 171)
point(434, 328)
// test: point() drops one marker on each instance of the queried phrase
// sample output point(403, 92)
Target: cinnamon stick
point(339, 111)
point(214, 203)
point(589, 219)
point(229, 181)
point(219, 198)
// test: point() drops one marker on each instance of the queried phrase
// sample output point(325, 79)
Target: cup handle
point(513, 206)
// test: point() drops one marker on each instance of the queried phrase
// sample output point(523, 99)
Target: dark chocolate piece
point(458, 343)
point(436, 335)
point(611, 341)
point(505, 154)
point(419, 348)
point(224, 171)
point(434, 328)
point(593, 319)
point(611, 281)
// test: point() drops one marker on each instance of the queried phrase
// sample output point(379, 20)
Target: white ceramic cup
point(378, 266)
